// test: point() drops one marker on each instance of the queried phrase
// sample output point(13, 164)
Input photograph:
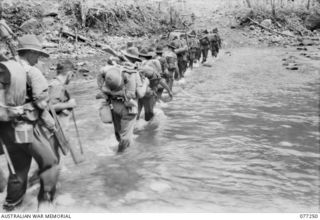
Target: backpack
point(13, 86)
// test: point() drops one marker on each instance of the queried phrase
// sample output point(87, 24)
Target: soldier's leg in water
point(41, 151)
point(140, 106)
point(212, 48)
point(205, 55)
point(206, 51)
point(128, 122)
point(21, 160)
point(116, 116)
point(203, 51)
point(178, 73)
point(149, 103)
point(170, 79)
point(17, 184)
point(3, 181)
point(159, 93)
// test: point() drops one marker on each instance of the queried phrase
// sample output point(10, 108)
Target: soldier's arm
point(141, 86)
point(39, 86)
point(60, 106)
point(166, 87)
point(100, 80)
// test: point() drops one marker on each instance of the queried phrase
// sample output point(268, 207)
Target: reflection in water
point(240, 136)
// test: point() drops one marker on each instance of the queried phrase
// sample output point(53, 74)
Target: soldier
point(194, 45)
point(164, 73)
point(33, 120)
point(205, 45)
point(122, 87)
point(182, 57)
point(132, 54)
point(60, 98)
point(215, 42)
point(151, 69)
point(171, 58)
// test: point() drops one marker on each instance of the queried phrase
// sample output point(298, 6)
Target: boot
point(9, 207)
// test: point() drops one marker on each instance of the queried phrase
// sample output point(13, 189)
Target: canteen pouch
point(23, 132)
point(133, 110)
point(132, 106)
point(105, 113)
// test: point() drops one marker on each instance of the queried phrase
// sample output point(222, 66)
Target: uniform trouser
point(182, 65)
point(148, 104)
point(214, 50)
point(192, 57)
point(2, 181)
point(170, 77)
point(204, 51)
point(21, 156)
point(198, 54)
point(123, 123)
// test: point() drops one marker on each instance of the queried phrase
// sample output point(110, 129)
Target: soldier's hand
point(146, 81)
point(43, 104)
point(72, 103)
point(171, 95)
point(106, 90)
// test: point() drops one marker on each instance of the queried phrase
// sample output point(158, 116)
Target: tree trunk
point(273, 8)
point(308, 5)
point(248, 3)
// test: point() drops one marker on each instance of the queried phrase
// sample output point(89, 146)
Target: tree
point(248, 3)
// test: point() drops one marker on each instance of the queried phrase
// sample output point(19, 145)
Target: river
point(241, 135)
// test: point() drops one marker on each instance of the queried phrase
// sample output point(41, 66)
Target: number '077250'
point(308, 216)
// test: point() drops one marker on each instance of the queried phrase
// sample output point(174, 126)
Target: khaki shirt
point(36, 81)
point(57, 91)
point(132, 82)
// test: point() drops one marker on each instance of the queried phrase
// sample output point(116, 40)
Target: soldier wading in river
point(23, 133)
point(122, 87)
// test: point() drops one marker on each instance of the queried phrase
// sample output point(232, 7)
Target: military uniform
point(148, 102)
point(172, 61)
point(215, 43)
point(123, 114)
point(182, 58)
point(205, 46)
point(37, 147)
point(59, 94)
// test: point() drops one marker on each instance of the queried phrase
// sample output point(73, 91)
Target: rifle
point(77, 130)
point(7, 156)
point(64, 144)
point(186, 36)
point(7, 35)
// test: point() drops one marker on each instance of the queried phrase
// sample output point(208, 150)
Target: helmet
point(113, 77)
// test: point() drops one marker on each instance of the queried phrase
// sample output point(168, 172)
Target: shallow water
point(240, 136)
